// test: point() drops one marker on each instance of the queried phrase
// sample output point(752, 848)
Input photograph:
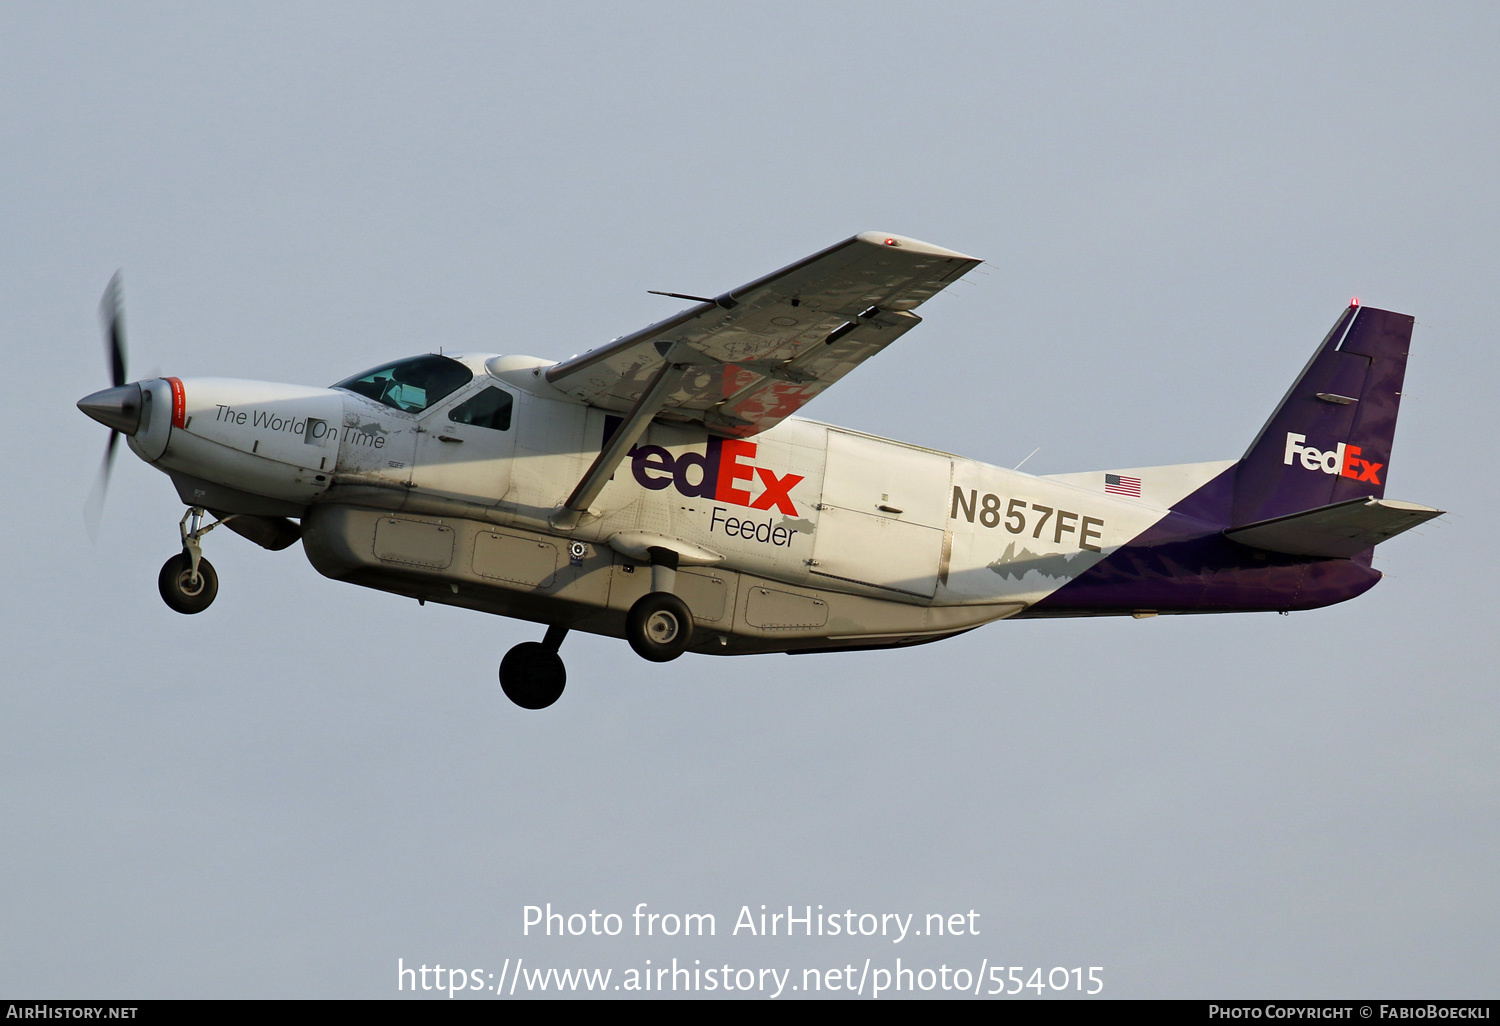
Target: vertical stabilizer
point(1330, 439)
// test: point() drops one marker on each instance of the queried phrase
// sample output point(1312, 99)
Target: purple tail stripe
point(1363, 361)
point(1342, 413)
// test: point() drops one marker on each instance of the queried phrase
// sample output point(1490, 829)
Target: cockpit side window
point(410, 385)
point(489, 408)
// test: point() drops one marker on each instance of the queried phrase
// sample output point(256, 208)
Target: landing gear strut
point(532, 674)
point(187, 581)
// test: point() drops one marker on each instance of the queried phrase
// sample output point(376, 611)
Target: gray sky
point(284, 795)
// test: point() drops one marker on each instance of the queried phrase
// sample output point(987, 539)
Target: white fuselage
point(803, 512)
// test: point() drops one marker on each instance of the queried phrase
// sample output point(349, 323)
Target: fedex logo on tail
point(1342, 460)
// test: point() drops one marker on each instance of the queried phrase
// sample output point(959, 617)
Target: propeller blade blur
point(112, 313)
point(115, 408)
point(93, 510)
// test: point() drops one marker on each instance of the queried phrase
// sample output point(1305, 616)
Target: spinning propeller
point(118, 407)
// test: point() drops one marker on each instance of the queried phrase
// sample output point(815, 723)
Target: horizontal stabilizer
point(1341, 529)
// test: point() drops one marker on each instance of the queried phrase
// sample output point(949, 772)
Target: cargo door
point(883, 514)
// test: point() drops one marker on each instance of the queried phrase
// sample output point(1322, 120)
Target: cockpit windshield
point(410, 385)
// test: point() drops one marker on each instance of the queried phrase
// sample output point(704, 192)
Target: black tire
point(177, 588)
point(659, 626)
point(532, 676)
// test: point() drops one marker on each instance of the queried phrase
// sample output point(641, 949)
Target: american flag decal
point(1118, 484)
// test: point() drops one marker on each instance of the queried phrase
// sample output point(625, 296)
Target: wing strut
point(626, 435)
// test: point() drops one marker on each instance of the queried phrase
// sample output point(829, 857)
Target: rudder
point(1330, 439)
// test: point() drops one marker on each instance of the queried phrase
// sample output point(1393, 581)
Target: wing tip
point(912, 245)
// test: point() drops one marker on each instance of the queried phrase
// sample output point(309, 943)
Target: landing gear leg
point(532, 674)
point(187, 581)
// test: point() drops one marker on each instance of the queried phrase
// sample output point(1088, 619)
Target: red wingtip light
point(892, 242)
point(1354, 301)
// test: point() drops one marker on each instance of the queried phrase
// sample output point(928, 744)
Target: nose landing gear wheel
point(532, 675)
point(659, 626)
point(178, 588)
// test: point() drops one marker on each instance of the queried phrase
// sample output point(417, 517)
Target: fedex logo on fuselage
point(723, 473)
point(1342, 460)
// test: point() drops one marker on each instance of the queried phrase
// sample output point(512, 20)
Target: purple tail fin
point(1330, 439)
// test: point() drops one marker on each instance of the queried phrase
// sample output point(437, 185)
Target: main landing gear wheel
point(181, 590)
point(659, 626)
point(532, 675)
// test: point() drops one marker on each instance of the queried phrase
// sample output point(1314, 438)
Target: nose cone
point(117, 408)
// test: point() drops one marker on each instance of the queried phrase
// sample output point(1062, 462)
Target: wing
point(761, 352)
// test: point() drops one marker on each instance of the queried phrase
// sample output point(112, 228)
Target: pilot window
point(410, 385)
point(489, 408)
